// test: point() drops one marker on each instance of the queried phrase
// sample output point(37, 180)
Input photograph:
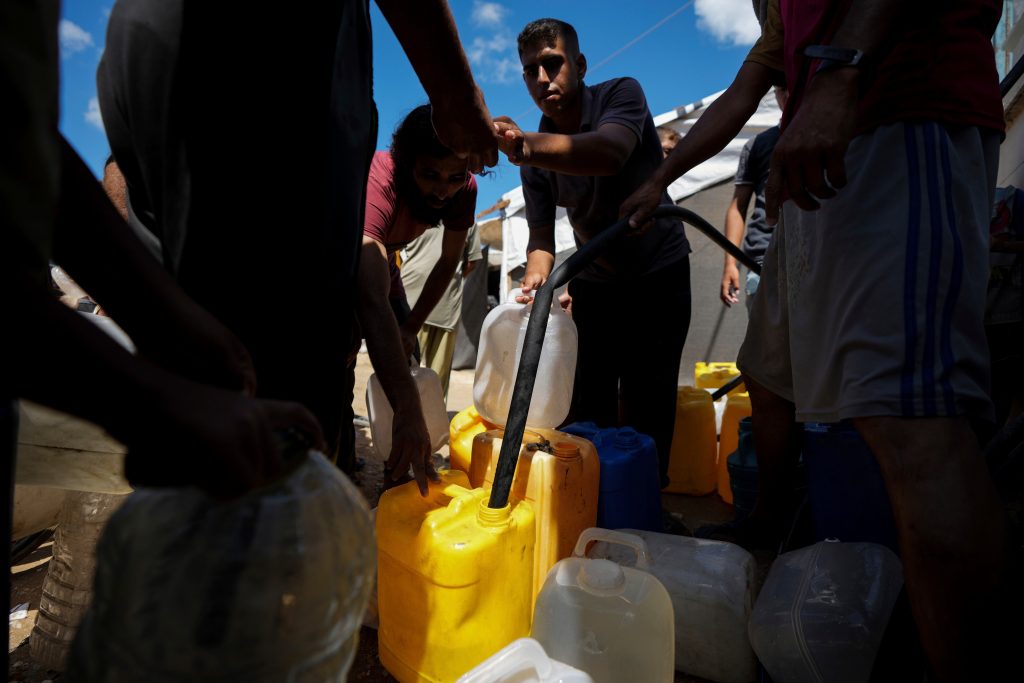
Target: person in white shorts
point(871, 301)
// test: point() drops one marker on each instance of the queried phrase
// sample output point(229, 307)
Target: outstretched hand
point(531, 283)
point(640, 205)
point(511, 140)
point(466, 129)
point(219, 440)
point(410, 447)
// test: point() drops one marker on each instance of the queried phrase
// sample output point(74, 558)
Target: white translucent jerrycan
point(431, 400)
point(524, 661)
point(501, 346)
point(823, 610)
point(613, 622)
point(712, 589)
point(269, 586)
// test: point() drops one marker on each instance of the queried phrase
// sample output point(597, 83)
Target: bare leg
point(777, 442)
point(952, 539)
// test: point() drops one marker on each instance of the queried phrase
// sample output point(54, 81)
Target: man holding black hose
point(595, 145)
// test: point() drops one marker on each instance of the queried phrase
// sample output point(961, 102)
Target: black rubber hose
point(727, 387)
point(522, 393)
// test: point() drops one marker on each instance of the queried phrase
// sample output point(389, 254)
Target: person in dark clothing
point(751, 177)
point(251, 164)
point(594, 146)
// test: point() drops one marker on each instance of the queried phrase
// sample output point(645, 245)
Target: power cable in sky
point(664, 20)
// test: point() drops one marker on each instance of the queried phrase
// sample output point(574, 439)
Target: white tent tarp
point(515, 233)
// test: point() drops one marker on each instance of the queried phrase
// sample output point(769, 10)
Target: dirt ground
point(27, 578)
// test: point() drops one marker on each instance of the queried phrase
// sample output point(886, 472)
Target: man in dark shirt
point(259, 209)
point(594, 146)
point(751, 176)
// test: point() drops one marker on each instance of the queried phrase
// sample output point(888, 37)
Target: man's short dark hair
point(414, 137)
point(546, 32)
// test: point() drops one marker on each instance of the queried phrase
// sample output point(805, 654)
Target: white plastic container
point(613, 622)
point(270, 586)
point(501, 347)
point(823, 610)
point(712, 589)
point(431, 400)
point(524, 661)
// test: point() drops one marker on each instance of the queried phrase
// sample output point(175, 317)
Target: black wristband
point(834, 57)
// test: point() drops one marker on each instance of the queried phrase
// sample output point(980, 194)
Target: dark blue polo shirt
point(592, 202)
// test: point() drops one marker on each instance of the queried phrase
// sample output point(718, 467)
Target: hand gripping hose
point(522, 393)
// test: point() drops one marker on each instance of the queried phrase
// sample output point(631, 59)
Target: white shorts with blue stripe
point(873, 305)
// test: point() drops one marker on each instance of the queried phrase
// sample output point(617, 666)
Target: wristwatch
point(834, 57)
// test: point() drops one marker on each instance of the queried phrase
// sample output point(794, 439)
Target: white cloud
point(73, 38)
point(493, 51)
point(729, 21)
point(92, 114)
point(494, 58)
point(488, 13)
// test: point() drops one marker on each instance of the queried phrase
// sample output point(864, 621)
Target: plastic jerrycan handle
point(643, 557)
point(521, 656)
point(518, 291)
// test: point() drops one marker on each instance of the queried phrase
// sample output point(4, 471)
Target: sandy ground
point(27, 578)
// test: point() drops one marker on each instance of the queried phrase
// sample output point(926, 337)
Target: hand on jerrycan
point(410, 447)
point(223, 442)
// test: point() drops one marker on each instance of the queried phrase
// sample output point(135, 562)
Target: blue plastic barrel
point(742, 464)
point(845, 486)
point(630, 495)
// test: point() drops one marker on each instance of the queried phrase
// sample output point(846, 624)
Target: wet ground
point(27, 577)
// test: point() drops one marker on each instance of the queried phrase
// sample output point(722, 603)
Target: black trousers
point(631, 336)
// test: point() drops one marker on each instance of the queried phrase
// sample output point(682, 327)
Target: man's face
point(439, 180)
point(552, 75)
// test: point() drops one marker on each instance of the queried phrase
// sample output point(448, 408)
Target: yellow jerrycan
point(454, 578)
point(463, 427)
point(560, 475)
point(713, 375)
point(737, 407)
point(691, 465)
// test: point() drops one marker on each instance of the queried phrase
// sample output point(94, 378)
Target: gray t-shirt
point(419, 258)
point(755, 161)
point(592, 202)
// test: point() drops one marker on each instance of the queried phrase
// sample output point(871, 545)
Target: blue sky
point(679, 51)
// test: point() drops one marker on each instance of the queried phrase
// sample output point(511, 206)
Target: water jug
point(461, 432)
point(715, 375)
point(454, 580)
point(484, 460)
point(737, 407)
point(68, 586)
point(630, 494)
point(712, 589)
point(524, 661)
point(613, 622)
point(560, 475)
point(431, 401)
point(742, 464)
point(845, 486)
point(501, 346)
point(691, 466)
point(270, 586)
point(823, 610)
point(588, 430)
